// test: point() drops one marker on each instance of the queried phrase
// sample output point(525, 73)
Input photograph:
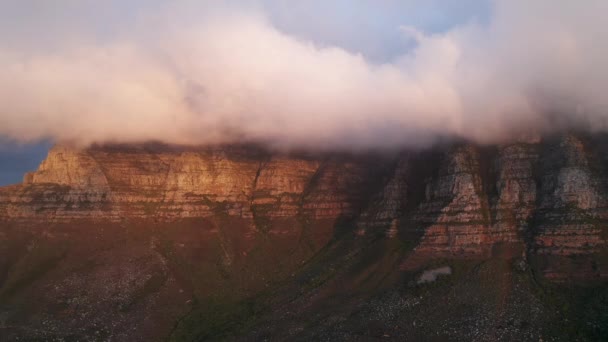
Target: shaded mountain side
point(152, 242)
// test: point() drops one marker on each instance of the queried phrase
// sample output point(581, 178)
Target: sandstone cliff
point(144, 225)
point(552, 194)
point(143, 183)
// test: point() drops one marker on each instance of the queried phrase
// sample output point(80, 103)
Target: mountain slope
point(152, 242)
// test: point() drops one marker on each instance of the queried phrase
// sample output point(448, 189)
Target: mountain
point(459, 242)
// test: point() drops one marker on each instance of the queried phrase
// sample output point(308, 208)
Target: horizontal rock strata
point(459, 201)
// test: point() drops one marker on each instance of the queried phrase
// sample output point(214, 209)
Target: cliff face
point(138, 183)
point(572, 204)
point(455, 212)
point(238, 219)
point(466, 200)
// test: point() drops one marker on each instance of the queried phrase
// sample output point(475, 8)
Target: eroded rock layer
point(142, 242)
point(142, 183)
point(461, 200)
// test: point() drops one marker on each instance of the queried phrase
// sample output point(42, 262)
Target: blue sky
point(366, 26)
point(371, 26)
point(16, 159)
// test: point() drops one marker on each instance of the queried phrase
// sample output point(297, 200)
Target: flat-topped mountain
point(135, 242)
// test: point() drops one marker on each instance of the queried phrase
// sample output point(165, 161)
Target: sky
point(321, 75)
point(17, 159)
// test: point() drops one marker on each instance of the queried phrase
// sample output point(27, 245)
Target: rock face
point(548, 195)
point(229, 221)
point(552, 194)
point(118, 184)
point(515, 200)
point(572, 209)
point(455, 213)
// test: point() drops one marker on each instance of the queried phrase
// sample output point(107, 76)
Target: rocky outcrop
point(572, 209)
point(458, 201)
point(455, 213)
point(515, 199)
point(389, 205)
point(122, 242)
point(117, 184)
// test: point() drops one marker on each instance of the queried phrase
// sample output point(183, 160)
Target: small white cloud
point(430, 276)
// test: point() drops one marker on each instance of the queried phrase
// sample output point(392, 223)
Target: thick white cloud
point(230, 75)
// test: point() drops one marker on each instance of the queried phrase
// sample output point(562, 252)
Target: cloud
point(231, 75)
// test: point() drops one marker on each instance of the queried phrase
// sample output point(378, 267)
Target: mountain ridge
point(222, 224)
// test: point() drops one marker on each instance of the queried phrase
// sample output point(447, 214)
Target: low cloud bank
point(230, 76)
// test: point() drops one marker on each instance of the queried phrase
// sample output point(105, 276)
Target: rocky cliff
point(462, 199)
point(206, 224)
point(164, 184)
